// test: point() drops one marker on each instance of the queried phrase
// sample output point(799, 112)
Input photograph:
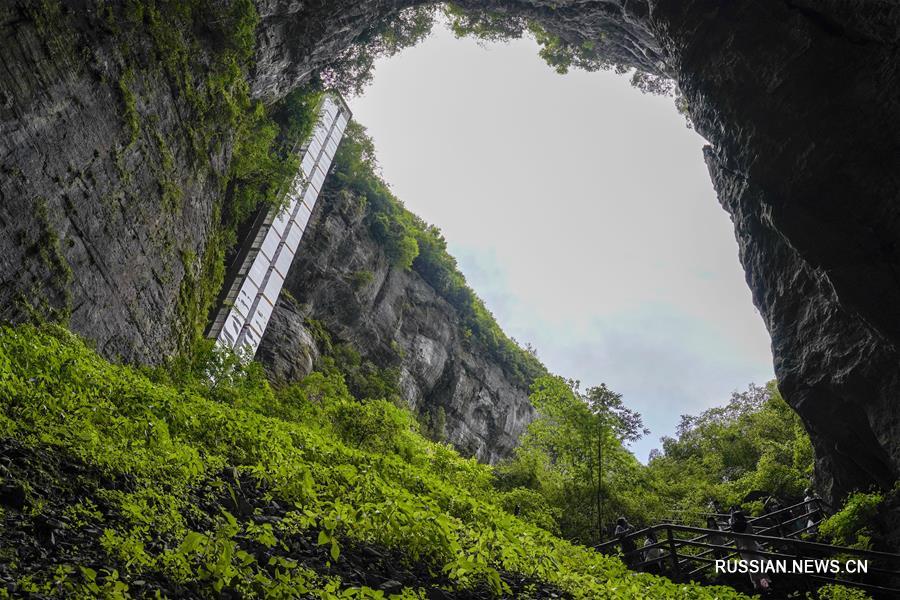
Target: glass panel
point(309, 163)
point(261, 316)
point(280, 221)
point(293, 237)
point(269, 246)
point(310, 197)
point(273, 288)
point(258, 269)
point(231, 329)
point(314, 147)
point(244, 300)
point(284, 260)
point(329, 106)
point(317, 178)
point(325, 163)
point(302, 217)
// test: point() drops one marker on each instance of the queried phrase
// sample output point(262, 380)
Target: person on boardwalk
point(652, 554)
point(749, 551)
point(629, 548)
point(716, 539)
point(812, 510)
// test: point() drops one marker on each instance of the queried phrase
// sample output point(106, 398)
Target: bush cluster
point(345, 469)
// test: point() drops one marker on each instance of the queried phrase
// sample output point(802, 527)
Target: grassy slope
point(343, 471)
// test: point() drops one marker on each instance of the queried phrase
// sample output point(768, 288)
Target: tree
point(615, 424)
point(574, 450)
point(755, 442)
point(352, 70)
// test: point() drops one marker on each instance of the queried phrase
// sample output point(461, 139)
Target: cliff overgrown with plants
point(176, 74)
point(413, 244)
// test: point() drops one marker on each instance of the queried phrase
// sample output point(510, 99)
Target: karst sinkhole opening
point(581, 210)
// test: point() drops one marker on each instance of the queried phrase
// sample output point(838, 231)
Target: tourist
point(749, 550)
point(716, 539)
point(652, 554)
point(629, 548)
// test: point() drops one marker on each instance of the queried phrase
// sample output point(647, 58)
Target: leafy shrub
point(375, 426)
point(436, 508)
point(839, 592)
point(852, 525)
point(361, 279)
point(530, 506)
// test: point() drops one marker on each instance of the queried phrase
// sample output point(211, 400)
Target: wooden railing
point(688, 552)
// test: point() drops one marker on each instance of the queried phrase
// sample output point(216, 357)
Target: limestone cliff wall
point(342, 278)
point(797, 98)
point(87, 231)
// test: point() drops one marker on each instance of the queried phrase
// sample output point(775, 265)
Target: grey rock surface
point(86, 231)
point(342, 278)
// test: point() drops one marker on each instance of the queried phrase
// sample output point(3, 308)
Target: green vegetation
point(156, 446)
point(352, 70)
point(364, 379)
point(128, 99)
point(574, 455)
point(755, 442)
point(560, 54)
point(362, 279)
point(54, 303)
point(852, 524)
point(411, 243)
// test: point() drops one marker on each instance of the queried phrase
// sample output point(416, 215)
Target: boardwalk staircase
point(785, 536)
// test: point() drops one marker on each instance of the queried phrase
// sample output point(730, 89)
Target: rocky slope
point(342, 279)
point(796, 98)
point(86, 229)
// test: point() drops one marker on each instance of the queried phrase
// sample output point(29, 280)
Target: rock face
point(797, 98)
point(342, 278)
point(798, 101)
point(86, 230)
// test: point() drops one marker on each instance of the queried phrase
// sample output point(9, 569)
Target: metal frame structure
point(264, 262)
point(686, 550)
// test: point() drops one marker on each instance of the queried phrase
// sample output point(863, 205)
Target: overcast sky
point(582, 213)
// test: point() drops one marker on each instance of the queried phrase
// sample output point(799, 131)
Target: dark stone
point(13, 495)
point(391, 586)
